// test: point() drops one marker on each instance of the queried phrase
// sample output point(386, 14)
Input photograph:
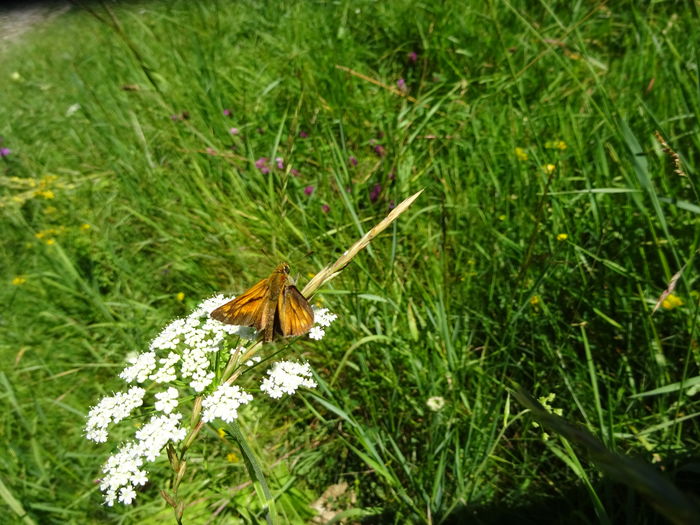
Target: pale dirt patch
point(18, 20)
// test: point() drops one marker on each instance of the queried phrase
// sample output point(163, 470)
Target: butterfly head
point(282, 268)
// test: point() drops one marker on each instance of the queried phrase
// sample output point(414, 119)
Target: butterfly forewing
point(294, 315)
point(247, 309)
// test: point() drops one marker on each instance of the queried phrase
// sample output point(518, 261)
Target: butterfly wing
point(294, 315)
point(248, 309)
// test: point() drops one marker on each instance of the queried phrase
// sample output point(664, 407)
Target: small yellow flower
point(221, 432)
point(85, 226)
point(521, 154)
point(562, 237)
point(547, 404)
point(231, 457)
point(19, 280)
point(535, 300)
point(549, 168)
point(47, 194)
point(180, 296)
point(50, 242)
point(556, 144)
point(672, 301)
point(46, 180)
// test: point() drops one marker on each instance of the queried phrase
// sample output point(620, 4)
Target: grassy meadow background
point(551, 222)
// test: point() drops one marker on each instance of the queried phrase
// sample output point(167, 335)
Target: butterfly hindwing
point(294, 315)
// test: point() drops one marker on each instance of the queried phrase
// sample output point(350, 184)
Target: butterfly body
point(272, 306)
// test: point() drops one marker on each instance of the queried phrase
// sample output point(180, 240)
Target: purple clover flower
point(261, 164)
point(374, 194)
point(4, 152)
point(412, 57)
point(294, 172)
point(379, 150)
point(280, 163)
point(303, 134)
point(352, 160)
point(234, 131)
point(309, 190)
point(227, 113)
point(325, 208)
point(401, 84)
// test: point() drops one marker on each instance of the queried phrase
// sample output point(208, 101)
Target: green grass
point(470, 291)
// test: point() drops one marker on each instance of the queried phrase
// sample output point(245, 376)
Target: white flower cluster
point(112, 410)
point(322, 319)
point(190, 340)
point(285, 377)
point(123, 470)
point(182, 351)
point(223, 403)
point(167, 401)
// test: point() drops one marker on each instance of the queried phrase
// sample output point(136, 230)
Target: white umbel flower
point(322, 319)
point(166, 373)
point(153, 436)
point(141, 367)
point(112, 410)
point(167, 401)
point(223, 403)
point(123, 470)
point(316, 333)
point(182, 354)
point(285, 377)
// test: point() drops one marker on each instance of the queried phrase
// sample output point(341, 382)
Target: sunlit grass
point(551, 223)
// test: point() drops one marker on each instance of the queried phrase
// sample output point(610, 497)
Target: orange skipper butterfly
point(273, 306)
